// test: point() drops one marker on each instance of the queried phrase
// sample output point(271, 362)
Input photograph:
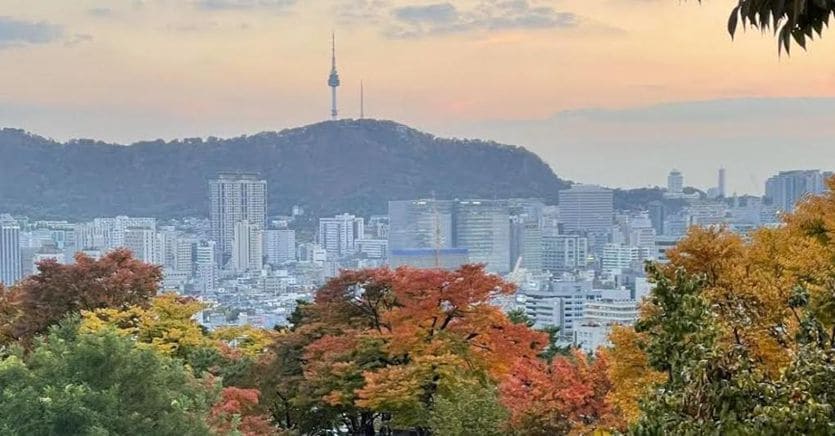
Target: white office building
point(235, 198)
point(247, 247)
point(280, 246)
point(338, 235)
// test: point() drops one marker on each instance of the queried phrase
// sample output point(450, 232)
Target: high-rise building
point(205, 267)
point(564, 253)
point(184, 255)
point(235, 198)
point(144, 244)
point(657, 214)
point(525, 243)
point(675, 182)
point(280, 246)
point(586, 208)
point(789, 187)
point(721, 185)
point(338, 234)
point(483, 228)
point(11, 268)
point(247, 247)
point(618, 258)
point(420, 224)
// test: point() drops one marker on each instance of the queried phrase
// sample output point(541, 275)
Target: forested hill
point(350, 165)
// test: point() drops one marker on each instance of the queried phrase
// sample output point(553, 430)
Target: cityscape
point(417, 218)
point(579, 265)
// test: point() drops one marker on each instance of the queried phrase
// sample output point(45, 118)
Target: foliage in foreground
point(99, 383)
point(738, 334)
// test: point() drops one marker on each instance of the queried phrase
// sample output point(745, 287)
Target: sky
point(615, 92)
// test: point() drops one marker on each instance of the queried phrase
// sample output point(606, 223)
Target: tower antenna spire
point(362, 100)
point(333, 79)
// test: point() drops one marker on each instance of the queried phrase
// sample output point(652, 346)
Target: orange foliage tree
point(116, 280)
point(388, 341)
point(569, 395)
point(238, 412)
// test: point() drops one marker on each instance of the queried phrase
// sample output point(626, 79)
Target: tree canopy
point(790, 20)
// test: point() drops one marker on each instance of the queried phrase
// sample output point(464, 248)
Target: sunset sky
point(616, 92)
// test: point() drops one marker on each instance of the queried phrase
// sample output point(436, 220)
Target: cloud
point(16, 32)
point(78, 38)
point(486, 15)
point(100, 12)
point(221, 5)
point(438, 13)
point(363, 12)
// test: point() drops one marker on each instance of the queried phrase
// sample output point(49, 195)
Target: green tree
point(471, 409)
point(714, 387)
point(96, 384)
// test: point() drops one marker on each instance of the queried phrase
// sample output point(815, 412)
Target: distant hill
point(350, 165)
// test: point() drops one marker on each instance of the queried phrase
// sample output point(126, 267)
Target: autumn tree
point(629, 371)
point(713, 387)
point(391, 341)
point(569, 394)
point(117, 280)
point(238, 412)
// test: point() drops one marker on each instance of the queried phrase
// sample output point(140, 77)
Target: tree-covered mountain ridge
point(328, 167)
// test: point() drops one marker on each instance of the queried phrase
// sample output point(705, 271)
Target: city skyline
point(568, 80)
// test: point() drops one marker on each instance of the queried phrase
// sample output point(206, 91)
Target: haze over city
point(604, 91)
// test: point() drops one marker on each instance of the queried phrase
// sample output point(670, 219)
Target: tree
point(99, 383)
point(117, 280)
point(567, 394)
point(166, 324)
point(629, 372)
point(470, 409)
point(237, 412)
point(392, 341)
point(789, 19)
point(718, 387)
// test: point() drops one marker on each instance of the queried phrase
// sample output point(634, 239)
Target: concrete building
point(338, 234)
point(586, 208)
point(599, 316)
point(247, 247)
point(787, 188)
point(373, 248)
point(205, 266)
point(280, 246)
point(564, 253)
point(420, 224)
point(618, 258)
point(483, 228)
point(144, 244)
point(11, 267)
point(675, 182)
point(235, 198)
point(560, 304)
point(526, 243)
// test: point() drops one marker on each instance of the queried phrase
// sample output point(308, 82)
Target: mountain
point(329, 167)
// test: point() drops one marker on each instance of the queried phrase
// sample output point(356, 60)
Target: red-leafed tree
point(39, 301)
point(238, 412)
point(567, 395)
